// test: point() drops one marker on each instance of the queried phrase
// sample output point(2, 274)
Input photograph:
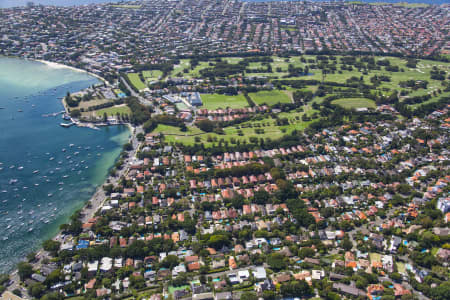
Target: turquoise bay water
point(46, 171)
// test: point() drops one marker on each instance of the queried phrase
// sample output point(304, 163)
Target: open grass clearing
point(215, 101)
point(350, 103)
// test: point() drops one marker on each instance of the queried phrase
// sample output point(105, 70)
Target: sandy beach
point(61, 66)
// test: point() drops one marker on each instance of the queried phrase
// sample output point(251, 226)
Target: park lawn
point(94, 102)
point(152, 75)
point(136, 81)
point(270, 97)
point(113, 110)
point(215, 101)
point(349, 103)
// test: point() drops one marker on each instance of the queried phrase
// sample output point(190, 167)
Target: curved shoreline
point(52, 64)
point(55, 65)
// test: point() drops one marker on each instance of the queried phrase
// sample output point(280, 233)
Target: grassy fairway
point(215, 101)
point(136, 81)
point(112, 111)
point(178, 69)
point(266, 127)
point(354, 103)
point(270, 97)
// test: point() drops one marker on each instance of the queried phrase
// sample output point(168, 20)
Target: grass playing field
point(354, 103)
point(136, 81)
point(215, 101)
point(112, 111)
point(270, 97)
